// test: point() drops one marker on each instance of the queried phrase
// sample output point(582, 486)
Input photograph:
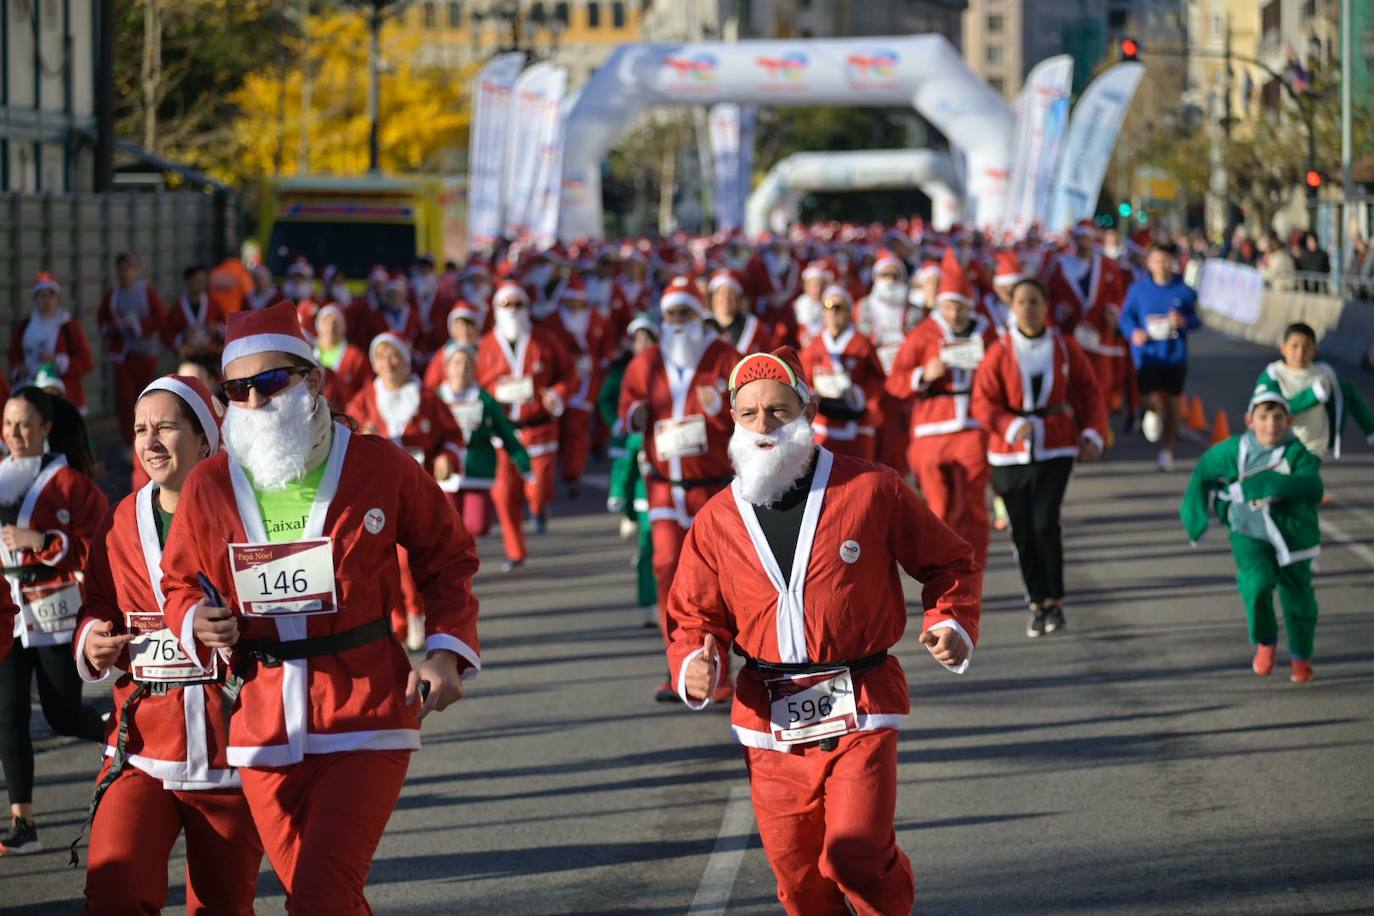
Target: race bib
point(155, 653)
point(285, 580)
point(1159, 327)
point(681, 438)
point(887, 355)
point(469, 416)
point(831, 384)
point(49, 609)
point(963, 354)
point(514, 390)
point(809, 707)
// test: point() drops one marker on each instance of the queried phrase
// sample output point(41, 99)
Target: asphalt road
point(1130, 765)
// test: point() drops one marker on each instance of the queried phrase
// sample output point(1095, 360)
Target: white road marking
point(736, 827)
point(1331, 529)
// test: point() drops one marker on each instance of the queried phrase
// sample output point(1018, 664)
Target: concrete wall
point(1345, 330)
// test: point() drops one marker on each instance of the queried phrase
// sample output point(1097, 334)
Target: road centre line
point(718, 880)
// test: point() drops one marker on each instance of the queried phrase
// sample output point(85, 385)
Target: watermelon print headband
point(778, 366)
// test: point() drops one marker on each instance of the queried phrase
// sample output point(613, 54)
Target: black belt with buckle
point(272, 652)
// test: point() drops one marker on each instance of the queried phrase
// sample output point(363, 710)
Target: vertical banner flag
point(748, 121)
point(1093, 129)
point(534, 106)
point(487, 147)
point(544, 220)
point(725, 149)
point(1041, 112)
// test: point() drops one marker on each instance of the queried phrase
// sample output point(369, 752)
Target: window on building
point(455, 15)
point(431, 16)
point(593, 15)
point(560, 12)
point(536, 13)
point(617, 15)
point(996, 23)
point(994, 54)
point(997, 83)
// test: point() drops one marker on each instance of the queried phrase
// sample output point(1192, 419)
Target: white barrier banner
point(725, 155)
point(1093, 130)
point(534, 107)
point(1041, 114)
point(1233, 290)
point(487, 147)
point(544, 219)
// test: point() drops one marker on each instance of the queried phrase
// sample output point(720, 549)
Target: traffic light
point(1314, 179)
point(1124, 209)
point(1130, 49)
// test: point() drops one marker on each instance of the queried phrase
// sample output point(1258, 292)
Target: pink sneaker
point(1264, 660)
point(1302, 671)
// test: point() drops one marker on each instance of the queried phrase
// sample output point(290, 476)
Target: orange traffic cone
point(1197, 417)
point(1222, 430)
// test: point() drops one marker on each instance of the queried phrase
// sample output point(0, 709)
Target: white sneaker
point(651, 616)
point(1165, 462)
point(1151, 426)
point(628, 528)
point(415, 632)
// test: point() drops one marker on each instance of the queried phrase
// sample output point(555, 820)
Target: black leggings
point(1033, 494)
point(59, 693)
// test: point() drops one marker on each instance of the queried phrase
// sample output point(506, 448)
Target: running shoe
point(541, 523)
point(1035, 628)
point(1264, 660)
point(1151, 426)
point(21, 839)
point(628, 528)
point(651, 617)
point(664, 693)
point(511, 565)
point(1054, 619)
point(1302, 671)
point(1165, 461)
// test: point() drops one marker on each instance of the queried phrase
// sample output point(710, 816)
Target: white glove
point(1321, 390)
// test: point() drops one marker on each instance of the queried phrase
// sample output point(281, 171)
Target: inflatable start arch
point(923, 71)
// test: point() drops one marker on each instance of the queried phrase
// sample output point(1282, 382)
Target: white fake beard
point(682, 344)
point(808, 311)
point(765, 474)
point(16, 476)
point(398, 407)
point(891, 292)
point(512, 324)
point(273, 442)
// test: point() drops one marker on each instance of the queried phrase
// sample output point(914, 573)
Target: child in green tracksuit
point(628, 492)
point(1319, 400)
point(1266, 487)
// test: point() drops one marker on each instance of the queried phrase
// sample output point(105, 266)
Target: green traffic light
point(1124, 209)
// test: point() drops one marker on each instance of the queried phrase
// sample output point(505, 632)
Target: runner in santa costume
point(50, 334)
point(347, 370)
point(1037, 397)
point(397, 314)
point(806, 308)
point(530, 373)
point(165, 768)
point(674, 393)
point(841, 367)
point(730, 314)
point(284, 552)
point(195, 321)
point(772, 280)
point(364, 312)
point(1086, 291)
point(997, 305)
point(130, 320)
point(885, 316)
point(798, 565)
point(431, 309)
point(934, 372)
point(49, 508)
point(464, 329)
point(264, 292)
point(927, 285)
point(584, 336)
point(300, 281)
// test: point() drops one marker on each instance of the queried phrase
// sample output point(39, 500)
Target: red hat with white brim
point(388, 339)
point(276, 329)
point(208, 411)
point(46, 281)
point(682, 291)
point(726, 277)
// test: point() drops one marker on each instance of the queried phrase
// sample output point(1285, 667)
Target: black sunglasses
point(265, 383)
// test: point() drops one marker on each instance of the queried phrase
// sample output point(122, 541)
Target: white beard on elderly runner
point(16, 476)
point(399, 406)
point(683, 343)
point(769, 463)
point(273, 442)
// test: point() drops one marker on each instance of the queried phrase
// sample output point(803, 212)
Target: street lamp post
point(374, 79)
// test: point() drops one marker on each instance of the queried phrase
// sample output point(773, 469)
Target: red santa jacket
point(851, 362)
point(1069, 405)
point(135, 328)
point(67, 343)
point(65, 506)
point(941, 406)
point(180, 736)
point(758, 336)
point(769, 290)
point(186, 322)
point(537, 356)
point(344, 381)
point(1089, 316)
point(885, 326)
point(372, 499)
point(590, 354)
point(404, 323)
point(841, 601)
point(680, 486)
point(431, 317)
point(419, 423)
point(364, 321)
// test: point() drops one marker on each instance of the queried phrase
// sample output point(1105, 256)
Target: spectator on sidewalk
point(1316, 263)
point(1277, 265)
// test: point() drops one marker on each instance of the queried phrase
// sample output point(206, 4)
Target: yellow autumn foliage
point(425, 110)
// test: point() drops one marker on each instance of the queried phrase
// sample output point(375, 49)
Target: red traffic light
point(1129, 49)
point(1314, 178)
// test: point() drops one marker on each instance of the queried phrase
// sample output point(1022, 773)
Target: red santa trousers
point(319, 830)
point(135, 828)
point(130, 378)
point(826, 820)
point(510, 492)
point(574, 443)
point(1112, 373)
point(411, 604)
point(953, 472)
point(474, 508)
point(893, 432)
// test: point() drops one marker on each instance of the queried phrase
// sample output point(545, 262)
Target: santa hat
point(208, 411)
point(300, 268)
point(377, 274)
point(954, 281)
point(396, 282)
point(928, 268)
point(1084, 227)
point(835, 291)
point(331, 309)
point(462, 310)
point(682, 291)
point(44, 281)
point(276, 329)
point(509, 289)
point(782, 365)
point(885, 258)
point(643, 322)
point(1138, 242)
point(573, 288)
point(1008, 272)
point(823, 269)
point(726, 277)
point(388, 338)
point(305, 315)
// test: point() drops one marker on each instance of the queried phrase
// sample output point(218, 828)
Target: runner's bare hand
point(946, 645)
point(700, 678)
point(215, 627)
point(440, 669)
point(102, 647)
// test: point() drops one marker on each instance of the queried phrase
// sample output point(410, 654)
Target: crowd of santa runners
point(847, 399)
